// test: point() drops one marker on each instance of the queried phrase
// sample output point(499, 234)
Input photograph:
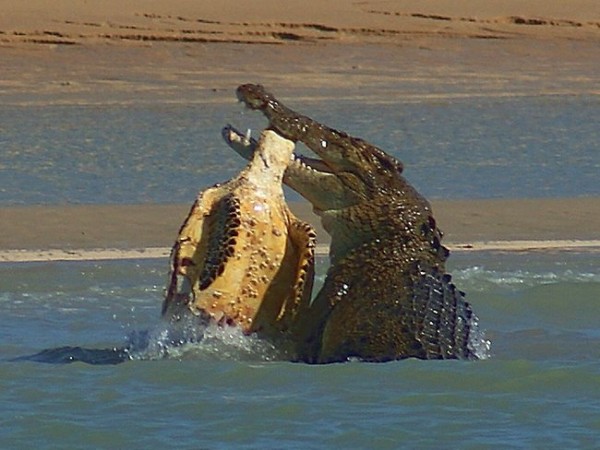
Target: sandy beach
point(184, 51)
point(76, 52)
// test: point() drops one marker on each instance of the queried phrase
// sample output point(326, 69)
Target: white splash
point(189, 339)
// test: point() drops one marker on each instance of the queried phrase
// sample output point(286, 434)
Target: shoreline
point(82, 232)
point(108, 254)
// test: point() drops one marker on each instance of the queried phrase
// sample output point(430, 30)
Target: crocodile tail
point(445, 324)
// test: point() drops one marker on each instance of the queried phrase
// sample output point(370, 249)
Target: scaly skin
point(241, 257)
point(386, 295)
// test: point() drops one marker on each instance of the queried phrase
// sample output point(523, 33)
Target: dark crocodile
point(387, 295)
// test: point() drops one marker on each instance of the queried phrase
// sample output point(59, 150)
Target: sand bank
point(75, 22)
point(104, 254)
point(108, 254)
point(181, 51)
point(37, 233)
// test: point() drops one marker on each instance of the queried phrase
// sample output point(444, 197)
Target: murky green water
point(540, 388)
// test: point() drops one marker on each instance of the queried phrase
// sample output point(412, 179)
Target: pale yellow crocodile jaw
point(241, 257)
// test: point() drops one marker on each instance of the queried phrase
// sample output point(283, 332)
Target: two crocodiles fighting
point(242, 258)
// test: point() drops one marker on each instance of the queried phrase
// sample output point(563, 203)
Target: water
point(516, 147)
point(540, 388)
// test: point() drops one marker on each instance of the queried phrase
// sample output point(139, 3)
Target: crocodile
point(241, 257)
point(387, 294)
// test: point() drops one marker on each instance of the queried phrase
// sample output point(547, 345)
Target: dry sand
point(72, 22)
point(182, 51)
point(75, 51)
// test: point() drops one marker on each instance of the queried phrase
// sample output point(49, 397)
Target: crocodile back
point(386, 302)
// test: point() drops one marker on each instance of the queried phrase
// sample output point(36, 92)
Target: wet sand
point(146, 231)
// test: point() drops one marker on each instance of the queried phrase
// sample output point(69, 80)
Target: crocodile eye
point(392, 166)
point(387, 163)
point(431, 221)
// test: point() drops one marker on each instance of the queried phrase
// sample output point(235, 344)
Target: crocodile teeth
point(300, 162)
point(248, 134)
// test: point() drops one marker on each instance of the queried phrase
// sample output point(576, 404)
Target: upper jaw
point(338, 151)
point(296, 127)
point(341, 178)
point(254, 96)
